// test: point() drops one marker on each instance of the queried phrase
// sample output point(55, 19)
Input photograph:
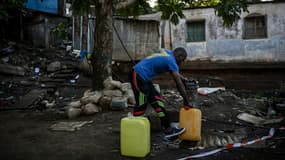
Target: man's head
point(180, 54)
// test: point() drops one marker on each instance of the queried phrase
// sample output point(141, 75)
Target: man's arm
point(181, 88)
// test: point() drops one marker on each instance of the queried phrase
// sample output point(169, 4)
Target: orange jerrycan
point(135, 136)
point(190, 118)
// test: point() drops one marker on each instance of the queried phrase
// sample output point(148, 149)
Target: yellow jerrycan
point(190, 118)
point(135, 136)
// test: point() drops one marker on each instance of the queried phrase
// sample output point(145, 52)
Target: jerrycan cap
point(187, 107)
point(130, 115)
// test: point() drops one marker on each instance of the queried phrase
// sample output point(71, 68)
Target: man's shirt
point(155, 64)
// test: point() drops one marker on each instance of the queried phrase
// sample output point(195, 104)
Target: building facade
point(258, 36)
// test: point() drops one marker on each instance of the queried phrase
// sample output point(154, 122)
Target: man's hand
point(183, 78)
point(181, 88)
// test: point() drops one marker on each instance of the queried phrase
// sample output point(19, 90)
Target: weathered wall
point(139, 37)
point(227, 44)
point(38, 29)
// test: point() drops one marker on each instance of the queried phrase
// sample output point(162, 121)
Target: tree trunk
point(102, 57)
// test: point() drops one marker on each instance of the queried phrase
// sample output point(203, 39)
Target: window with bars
point(255, 27)
point(195, 31)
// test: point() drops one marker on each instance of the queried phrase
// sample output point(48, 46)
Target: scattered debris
point(54, 66)
point(257, 120)
point(119, 103)
point(208, 90)
point(28, 68)
point(69, 126)
point(32, 97)
point(11, 69)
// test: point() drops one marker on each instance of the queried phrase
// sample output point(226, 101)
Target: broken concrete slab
point(69, 126)
point(30, 98)
point(257, 120)
point(54, 66)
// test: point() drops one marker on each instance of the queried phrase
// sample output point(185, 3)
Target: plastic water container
point(190, 118)
point(135, 136)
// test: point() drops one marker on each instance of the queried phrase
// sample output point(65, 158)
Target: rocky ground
point(38, 84)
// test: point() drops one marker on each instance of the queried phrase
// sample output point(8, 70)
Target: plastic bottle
point(190, 118)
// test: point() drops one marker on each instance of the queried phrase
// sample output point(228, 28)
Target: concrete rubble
point(32, 76)
point(69, 126)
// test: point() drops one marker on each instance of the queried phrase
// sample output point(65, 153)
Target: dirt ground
point(25, 130)
point(26, 134)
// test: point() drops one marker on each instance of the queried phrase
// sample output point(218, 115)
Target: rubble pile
point(114, 96)
point(25, 70)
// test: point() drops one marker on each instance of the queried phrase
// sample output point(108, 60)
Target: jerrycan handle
point(187, 107)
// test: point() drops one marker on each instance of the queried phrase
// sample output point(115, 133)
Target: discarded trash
point(68, 48)
point(118, 103)
point(69, 126)
point(77, 76)
point(270, 111)
point(83, 54)
point(208, 90)
point(257, 120)
point(76, 53)
point(156, 86)
point(48, 104)
point(37, 70)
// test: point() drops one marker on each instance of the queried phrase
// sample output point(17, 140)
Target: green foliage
point(171, 9)
point(138, 8)
point(81, 7)
point(230, 10)
point(60, 31)
point(9, 6)
point(201, 3)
